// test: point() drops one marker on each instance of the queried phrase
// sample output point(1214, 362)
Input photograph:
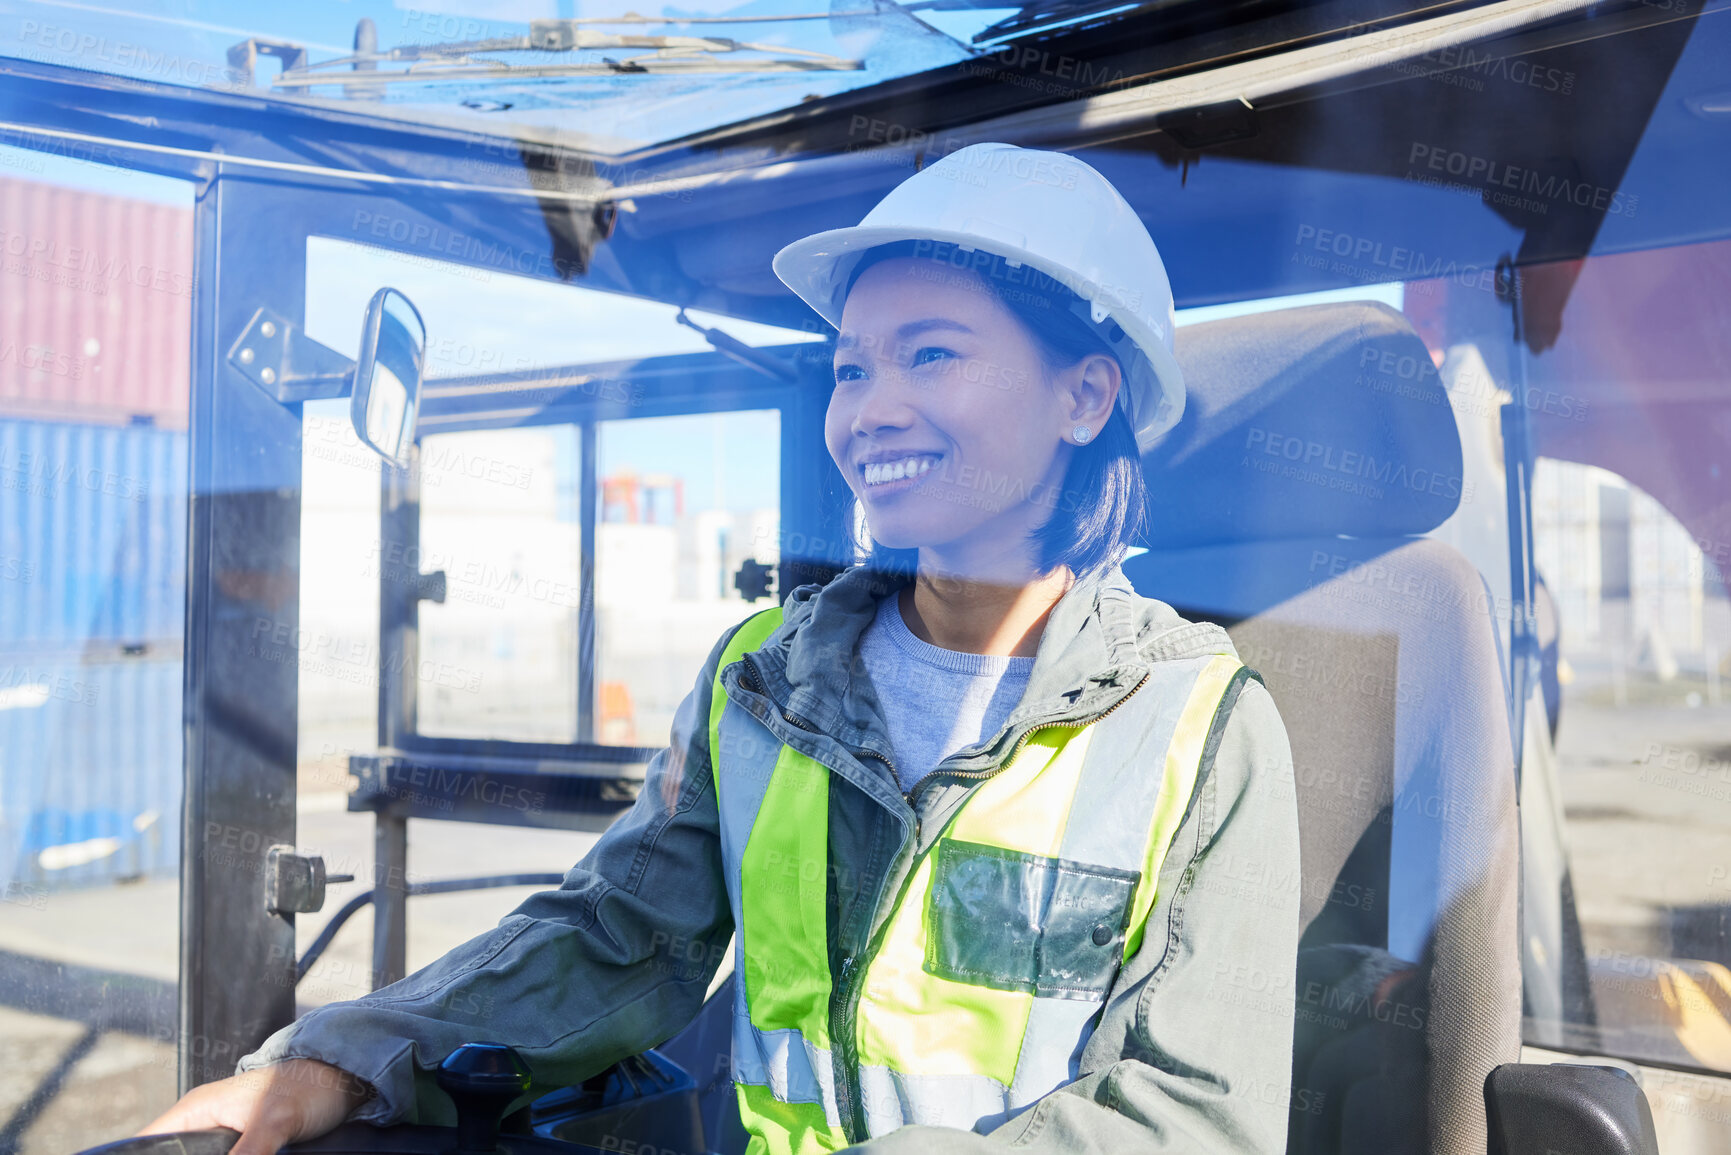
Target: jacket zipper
point(844, 1000)
point(750, 674)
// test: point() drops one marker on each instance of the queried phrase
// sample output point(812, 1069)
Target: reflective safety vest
point(985, 979)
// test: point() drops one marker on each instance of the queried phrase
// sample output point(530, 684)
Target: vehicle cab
point(397, 404)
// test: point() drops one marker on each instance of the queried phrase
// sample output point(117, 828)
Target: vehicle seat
point(1317, 444)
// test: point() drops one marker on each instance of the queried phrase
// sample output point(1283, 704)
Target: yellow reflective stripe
point(783, 885)
point(1183, 762)
point(921, 1024)
point(779, 1128)
point(1024, 805)
point(750, 635)
point(783, 875)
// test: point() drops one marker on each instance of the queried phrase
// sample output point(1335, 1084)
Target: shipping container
point(92, 618)
point(95, 306)
point(90, 772)
point(92, 538)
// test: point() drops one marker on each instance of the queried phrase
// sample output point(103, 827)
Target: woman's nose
point(883, 405)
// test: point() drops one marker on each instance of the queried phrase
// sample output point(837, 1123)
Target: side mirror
point(387, 390)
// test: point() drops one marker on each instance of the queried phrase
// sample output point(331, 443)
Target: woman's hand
point(282, 1103)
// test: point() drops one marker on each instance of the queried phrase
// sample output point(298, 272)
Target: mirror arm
point(290, 367)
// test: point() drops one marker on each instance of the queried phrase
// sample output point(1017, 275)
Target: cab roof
point(616, 76)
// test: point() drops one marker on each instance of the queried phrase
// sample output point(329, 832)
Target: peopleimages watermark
point(472, 250)
point(1321, 670)
point(121, 55)
point(38, 146)
point(1030, 67)
point(84, 268)
point(1470, 390)
point(1406, 590)
point(439, 785)
point(1502, 183)
point(1464, 66)
point(1351, 470)
point(473, 580)
point(1689, 772)
point(334, 440)
point(983, 371)
point(41, 359)
point(1038, 282)
point(41, 475)
point(353, 660)
point(922, 148)
point(23, 894)
point(26, 687)
point(1403, 263)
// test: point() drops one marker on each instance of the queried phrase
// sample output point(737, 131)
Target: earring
point(1081, 433)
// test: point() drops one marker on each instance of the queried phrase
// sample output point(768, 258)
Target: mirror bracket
point(274, 354)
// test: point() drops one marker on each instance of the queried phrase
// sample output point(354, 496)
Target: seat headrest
point(1305, 422)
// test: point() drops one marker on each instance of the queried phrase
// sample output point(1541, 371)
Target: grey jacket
point(1194, 1048)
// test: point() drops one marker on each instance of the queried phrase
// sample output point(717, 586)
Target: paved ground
point(81, 1083)
point(1647, 800)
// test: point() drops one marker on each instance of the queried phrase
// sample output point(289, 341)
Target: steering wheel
point(482, 1079)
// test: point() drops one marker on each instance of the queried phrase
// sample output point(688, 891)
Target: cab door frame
point(264, 180)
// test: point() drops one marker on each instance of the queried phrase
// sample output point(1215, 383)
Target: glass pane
point(339, 611)
point(1644, 758)
point(470, 486)
point(685, 501)
point(499, 656)
point(95, 321)
point(499, 526)
point(499, 519)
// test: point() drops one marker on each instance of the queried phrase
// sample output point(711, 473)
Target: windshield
point(607, 82)
point(612, 79)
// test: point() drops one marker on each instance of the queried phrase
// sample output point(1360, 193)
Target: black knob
point(482, 1079)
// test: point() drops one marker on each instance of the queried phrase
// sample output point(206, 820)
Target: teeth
point(879, 472)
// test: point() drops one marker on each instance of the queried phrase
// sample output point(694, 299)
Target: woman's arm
point(613, 962)
point(1194, 1049)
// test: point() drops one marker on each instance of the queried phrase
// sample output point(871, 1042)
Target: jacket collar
point(1099, 642)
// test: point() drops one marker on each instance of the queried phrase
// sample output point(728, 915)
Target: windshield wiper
point(455, 60)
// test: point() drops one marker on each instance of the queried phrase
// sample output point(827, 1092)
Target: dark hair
point(1102, 506)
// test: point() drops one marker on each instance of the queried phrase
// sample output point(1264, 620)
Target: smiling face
point(946, 421)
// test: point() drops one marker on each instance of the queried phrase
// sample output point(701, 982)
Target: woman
point(981, 817)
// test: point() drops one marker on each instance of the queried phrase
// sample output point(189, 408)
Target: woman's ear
point(1091, 389)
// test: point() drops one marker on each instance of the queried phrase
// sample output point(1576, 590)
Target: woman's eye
point(932, 353)
point(846, 372)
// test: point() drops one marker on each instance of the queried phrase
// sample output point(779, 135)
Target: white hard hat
point(1042, 209)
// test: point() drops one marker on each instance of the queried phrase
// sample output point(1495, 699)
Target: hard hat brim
point(817, 267)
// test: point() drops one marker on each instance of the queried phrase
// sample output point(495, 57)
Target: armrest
point(1534, 1108)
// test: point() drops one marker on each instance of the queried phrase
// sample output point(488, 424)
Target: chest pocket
point(1014, 921)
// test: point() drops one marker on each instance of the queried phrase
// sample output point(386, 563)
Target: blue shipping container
point(92, 619)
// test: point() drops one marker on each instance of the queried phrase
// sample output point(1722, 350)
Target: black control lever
point(482, 1079)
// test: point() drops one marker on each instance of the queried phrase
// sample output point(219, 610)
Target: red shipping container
point(95, 306)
